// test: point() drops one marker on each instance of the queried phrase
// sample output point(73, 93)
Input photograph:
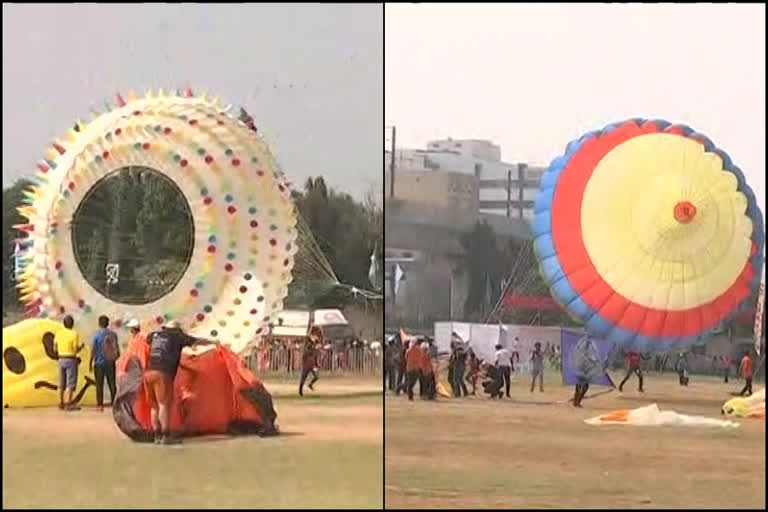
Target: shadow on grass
point(223, 438)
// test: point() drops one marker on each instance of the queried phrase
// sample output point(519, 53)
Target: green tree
point(481, 260)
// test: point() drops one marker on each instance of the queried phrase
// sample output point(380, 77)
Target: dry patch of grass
point(534, 451)
point(329, 456)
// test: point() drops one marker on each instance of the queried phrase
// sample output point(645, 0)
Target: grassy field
point(329, 455)
point(534, 451)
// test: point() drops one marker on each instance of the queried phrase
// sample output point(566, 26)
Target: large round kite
point(244, 219)
point(648, 234)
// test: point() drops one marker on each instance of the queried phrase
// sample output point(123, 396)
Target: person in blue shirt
point(104, 354)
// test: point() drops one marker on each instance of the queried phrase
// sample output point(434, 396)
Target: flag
point(397, 276)
point(585, 359)
point(374, 272)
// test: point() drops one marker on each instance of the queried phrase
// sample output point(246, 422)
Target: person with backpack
point(104, 354)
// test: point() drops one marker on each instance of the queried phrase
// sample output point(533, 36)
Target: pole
point(509, 191)
point(392, 168)
point(450, 295)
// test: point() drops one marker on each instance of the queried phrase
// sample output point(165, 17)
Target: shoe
point(171, 440)
point(73, 407)
point(100, 408)
point(159, 439)
point(301, 393)
point(61, 407)
point(311, 388)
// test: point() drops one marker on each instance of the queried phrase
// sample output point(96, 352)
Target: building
point(498, 188)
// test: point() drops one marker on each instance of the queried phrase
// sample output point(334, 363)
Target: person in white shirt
point(504, 363)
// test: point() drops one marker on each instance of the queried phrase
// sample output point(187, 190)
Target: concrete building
point(500, 188)
point(423, 239)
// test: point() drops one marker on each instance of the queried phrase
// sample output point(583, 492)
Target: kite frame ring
point(244, 218)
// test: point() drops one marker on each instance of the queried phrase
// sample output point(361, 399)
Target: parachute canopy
point(214, 393)
point(648, 234)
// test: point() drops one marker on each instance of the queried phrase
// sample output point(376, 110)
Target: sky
point(310, 75)
point(532, 77)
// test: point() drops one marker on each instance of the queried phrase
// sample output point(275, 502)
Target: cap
point(132, 323)
point(172, 324)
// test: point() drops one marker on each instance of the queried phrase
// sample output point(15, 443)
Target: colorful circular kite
point(244, 218)
point(648, 234)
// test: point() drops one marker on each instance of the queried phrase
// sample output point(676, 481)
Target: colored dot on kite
point(193, 292)
point(228, 267)
point(201, 151)
point(254, 311)
point(254, 223)
point(247, 276)
point(208, 308)
point(208, 159)
point(167, 130)
point(243, 289)
point(183, 162)
point(204, 191)
point(211, 248)
point(200, 317)
point(684, 212)
point(231, 210)
point(235, 162)
point(199, 285)
point(105, 155)
point(228, 152)
point(231, 256)
point(145, 145)
point(212, 238)
point(228, 198)
point(208, 200)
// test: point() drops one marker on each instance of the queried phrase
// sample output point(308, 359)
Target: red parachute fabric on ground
point(214, 393)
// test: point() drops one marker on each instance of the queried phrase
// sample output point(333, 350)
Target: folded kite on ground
point(214, 393)
point(651, 416)
point(746, 407)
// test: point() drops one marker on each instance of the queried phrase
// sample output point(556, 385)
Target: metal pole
point(392, 167)
point(509, 191)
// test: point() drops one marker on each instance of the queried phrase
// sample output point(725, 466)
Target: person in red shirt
point(746, 371)
point(633, 366)
point(309, 359)
point(413, 368)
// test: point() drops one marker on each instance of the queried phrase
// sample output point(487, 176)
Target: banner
point(482, 339)
point(585, 359)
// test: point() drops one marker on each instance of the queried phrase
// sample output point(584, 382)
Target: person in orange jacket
point(427, 372)
point(413, 357)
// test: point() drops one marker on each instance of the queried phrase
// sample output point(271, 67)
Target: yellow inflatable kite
point(30, 369)
point(749, 407)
